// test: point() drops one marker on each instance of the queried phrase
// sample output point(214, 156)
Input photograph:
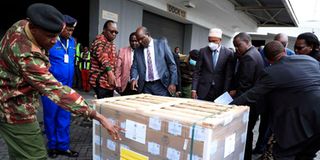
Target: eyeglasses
point(113, 32)
point(299, 47)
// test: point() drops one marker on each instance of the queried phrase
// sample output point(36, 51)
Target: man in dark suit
point(176, 58)
point(292, 86)
point(214, 69)
point(250, 66)
point(153, 70)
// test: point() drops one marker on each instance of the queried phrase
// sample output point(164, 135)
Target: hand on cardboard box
point(113, 130)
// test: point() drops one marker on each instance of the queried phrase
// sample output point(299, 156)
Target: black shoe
point(52, 153)
point(68, 153)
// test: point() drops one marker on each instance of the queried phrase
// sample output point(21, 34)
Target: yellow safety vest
point(85, 61)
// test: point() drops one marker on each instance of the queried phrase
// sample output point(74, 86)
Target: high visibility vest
point(85, 64)
point(78, 55)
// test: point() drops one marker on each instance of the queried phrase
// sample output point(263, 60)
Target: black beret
point(70, 21)
point(46, 17)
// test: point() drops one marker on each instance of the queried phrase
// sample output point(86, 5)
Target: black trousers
point(102, 92)
point(303, 151)
point(212, 94)
point(77, 78)
point(264, 133)
point(128, 91)
point(253, 117)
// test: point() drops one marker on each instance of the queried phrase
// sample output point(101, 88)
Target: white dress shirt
point(132, 54)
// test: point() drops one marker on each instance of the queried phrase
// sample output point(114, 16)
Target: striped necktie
point(150, 68)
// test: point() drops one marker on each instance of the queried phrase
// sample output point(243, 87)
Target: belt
point(155, 81)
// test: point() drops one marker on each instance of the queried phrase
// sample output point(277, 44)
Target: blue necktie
point(214, 58)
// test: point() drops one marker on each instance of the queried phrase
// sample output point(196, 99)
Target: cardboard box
point(161, 128)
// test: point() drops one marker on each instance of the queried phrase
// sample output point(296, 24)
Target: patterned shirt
point(24, 74)
point(103, 59)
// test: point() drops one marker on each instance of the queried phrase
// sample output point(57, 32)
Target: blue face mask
point(192, 62)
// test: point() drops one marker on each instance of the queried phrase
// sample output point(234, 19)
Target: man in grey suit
point(153, 70)
point(214, 69)
point(292, 87)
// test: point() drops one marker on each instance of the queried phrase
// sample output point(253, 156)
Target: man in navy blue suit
point(153, 70)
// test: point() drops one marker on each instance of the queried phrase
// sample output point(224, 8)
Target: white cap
point(215, 32)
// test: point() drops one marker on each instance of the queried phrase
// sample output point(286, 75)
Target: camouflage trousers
point(24, 141)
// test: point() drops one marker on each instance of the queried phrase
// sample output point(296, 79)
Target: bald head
point(274, 50)
point(282, 38)
point(143, 36)
point(143, 30)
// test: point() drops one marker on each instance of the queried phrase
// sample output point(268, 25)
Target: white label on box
point(96, 157)
point(228, 119)
point(175, 128)
point(194, 157)
point(96, 122)
point(136, 131)
point(245, 117)
point(112, 120)
point(111, 145)
point(124, 146)
point(199, 133)
point(155, 123)
point(214, 147)
point(243, 137)
point(153, 148)
point(97, 140)
point(173, 154)
point(229, 144)
point(185, 144)
point(123, 125)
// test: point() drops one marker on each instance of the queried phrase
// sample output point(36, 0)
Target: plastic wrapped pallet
point(160, 128)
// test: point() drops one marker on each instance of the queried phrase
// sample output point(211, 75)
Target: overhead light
point(189, 4)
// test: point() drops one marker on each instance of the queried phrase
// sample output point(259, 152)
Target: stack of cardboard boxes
point(161, 128)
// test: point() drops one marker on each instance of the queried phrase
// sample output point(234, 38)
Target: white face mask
point(213, 46)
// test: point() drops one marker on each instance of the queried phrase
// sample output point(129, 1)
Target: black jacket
point(204, 75)
point(292, 87)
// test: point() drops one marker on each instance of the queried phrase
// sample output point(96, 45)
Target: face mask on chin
point(192, 62)
point(213, 46)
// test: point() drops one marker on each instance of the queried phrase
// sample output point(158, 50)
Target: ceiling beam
point(242, 8)
point(273, 16)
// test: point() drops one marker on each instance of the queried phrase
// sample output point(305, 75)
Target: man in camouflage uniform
point(24, 74)
point(103, 61)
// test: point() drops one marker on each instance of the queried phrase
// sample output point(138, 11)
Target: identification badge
point(66, 58)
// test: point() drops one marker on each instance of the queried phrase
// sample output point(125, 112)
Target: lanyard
point(65, 47)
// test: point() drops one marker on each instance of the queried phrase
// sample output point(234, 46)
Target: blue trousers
point(155, 88)
point(56, 124)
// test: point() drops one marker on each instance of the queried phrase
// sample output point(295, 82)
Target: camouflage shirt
point(24, 74)
point(103, 59)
